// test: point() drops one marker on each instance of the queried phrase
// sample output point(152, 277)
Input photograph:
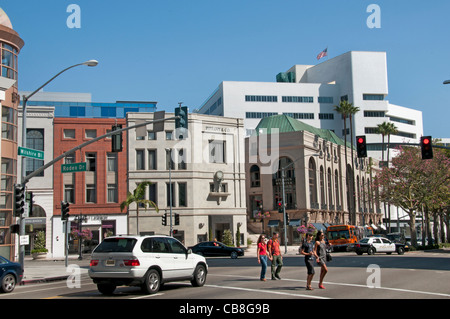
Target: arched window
point(255, 176)
point(330, 188)
point(312, 182)
point(289, 183)
point(322, 186)
point(35, 141)
point(336, 186)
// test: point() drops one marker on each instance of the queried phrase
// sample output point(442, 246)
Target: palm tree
point(344, 108)
point(138, 197)
point(392, 129)
point(386, 128)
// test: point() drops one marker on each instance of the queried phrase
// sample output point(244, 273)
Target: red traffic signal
point(426, 146)
point(361, 148)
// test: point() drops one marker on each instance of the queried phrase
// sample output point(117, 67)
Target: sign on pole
point(28, 152)
point(74, 167)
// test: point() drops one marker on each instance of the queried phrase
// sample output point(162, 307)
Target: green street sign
point(74, 167)
point(28, 152)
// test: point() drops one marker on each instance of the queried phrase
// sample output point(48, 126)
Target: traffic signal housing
point(177, 219)
point(116, 139)
point(427, 147)
point(65, 209)
point(19, 200)
point(280, 206)
point(361, 147)
point(164, 219)
point(181, 123)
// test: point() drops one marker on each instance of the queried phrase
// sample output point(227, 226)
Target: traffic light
point(19, 200)
point(116, 139)
point(65, 210)
point(164, 219)
point(287, 219)
point(177, 219)
point(427, 147)
point(29, 199)
point(280, 206)
point(181, 123)
point(361, 147)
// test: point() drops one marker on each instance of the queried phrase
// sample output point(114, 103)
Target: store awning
point(319, 227)
point(274, 223)
point(295, 222)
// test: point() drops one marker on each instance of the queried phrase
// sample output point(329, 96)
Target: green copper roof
point(286, 124)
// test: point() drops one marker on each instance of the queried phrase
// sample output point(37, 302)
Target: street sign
point(74, 167)
point(28, 152)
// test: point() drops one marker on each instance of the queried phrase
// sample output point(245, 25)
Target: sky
point(180, 51)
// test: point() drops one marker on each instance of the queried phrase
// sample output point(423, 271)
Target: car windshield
point(341, 234)
point(117, 245)
point(364, 240)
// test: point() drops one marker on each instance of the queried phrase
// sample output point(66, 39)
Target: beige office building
point(206, 173)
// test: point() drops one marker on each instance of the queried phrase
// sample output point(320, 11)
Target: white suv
point(145, 261)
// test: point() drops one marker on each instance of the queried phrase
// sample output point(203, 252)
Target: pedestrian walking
point(275, 253)
point(309, 253)
point(321, 254)
point(262, 255)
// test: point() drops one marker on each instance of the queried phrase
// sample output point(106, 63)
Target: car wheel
point(8, 283)
point(199, 276)
point(234, 255)
point(370, 251)
point(359, 253)
point(106, 289)
point(401, 250)
point(152, 282)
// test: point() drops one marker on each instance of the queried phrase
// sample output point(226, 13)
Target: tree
point(138, 197)
point(412, 183)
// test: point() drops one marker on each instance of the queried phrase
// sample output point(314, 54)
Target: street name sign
point(74, 167)
point(28, 152)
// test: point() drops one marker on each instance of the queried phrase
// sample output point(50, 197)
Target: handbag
point(328, 256)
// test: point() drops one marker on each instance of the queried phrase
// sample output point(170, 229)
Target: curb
point(42, 280)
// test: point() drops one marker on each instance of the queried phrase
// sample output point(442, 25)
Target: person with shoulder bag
point(275, 254)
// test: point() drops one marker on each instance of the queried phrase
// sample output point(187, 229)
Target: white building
point(309, 93)
point(206, 170)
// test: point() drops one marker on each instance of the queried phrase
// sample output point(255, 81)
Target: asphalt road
point(411, 276)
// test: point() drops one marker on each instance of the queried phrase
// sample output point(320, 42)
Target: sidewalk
point(47, 270)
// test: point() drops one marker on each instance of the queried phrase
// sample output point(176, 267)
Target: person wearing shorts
point(310, 255)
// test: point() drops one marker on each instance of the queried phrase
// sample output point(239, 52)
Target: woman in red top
point(261, 253)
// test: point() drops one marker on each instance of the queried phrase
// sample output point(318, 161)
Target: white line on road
point(345, 284)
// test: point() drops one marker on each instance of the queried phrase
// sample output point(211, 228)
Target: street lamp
point(91, 63)
point(446, 82)
point(169, 151)
point(283, 172)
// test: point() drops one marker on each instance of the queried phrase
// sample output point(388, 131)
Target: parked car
point(145, 261)
point(215, 248)
point(371, 245)
point(11, 274)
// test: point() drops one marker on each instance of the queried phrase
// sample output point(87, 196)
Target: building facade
point(309, 92)
point(204, 172)
point(319, 186)
point(11, 44)
point(94, 195)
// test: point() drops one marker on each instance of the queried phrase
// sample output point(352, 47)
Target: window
point(261, 98)
point(151, 135)
point(69, 193)
point(373, 97)
point(182, 159)
point(217, 151)
point(90, 134)
point(374, 113)
point(112, 162)
point(325, 99)
point(152, 192)
point(176, 247)
point(112, 193)
point(169, 189)
point(312, 182)
point(152, 160)
point(35, 140)
point(77, 111)
point(255, 176)
point(108, 111)
point(169, 135)
point(182, 196)
point(91, 161)
point(326, 116)
point(259, 115)
point(322, 185)
point(140, 160)
point(298, 99)
point(304, 116)
point(90, 193)
point(69, 133)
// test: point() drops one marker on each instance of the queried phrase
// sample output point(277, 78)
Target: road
point(411, 276)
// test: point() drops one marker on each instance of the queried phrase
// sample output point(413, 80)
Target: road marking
point(350, 285)
point(267, 291)
point(148, 296)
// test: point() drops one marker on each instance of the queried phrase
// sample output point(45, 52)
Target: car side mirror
point(189, 251)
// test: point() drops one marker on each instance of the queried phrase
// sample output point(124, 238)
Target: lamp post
point(91, 63)
point(169, 151)
point(283, 172)
point(446, 82)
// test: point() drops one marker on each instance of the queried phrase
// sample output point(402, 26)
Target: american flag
point(322, 54)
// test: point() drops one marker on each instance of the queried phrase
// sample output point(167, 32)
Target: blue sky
point(173, 50)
